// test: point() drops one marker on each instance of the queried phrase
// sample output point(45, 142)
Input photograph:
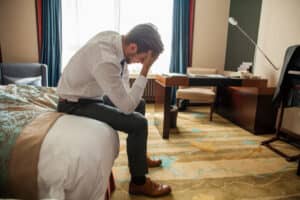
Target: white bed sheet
point(76, 159)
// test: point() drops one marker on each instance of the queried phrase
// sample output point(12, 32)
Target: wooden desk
point(164, 84)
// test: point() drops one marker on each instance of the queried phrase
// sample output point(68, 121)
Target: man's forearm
point(144, 71)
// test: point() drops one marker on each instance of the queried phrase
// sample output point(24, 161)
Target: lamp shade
point(232, 21)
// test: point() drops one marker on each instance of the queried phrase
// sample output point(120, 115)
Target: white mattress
point(76, 159)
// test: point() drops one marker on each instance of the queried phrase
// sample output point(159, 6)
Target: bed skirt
point(23, 163)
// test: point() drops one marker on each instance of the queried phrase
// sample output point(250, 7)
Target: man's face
point(136, 58)
point(131, 55)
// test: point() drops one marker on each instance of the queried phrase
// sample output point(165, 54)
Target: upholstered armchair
point(198, 94)
point(23, 73)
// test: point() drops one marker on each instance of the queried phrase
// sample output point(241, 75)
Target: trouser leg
point(134, 124)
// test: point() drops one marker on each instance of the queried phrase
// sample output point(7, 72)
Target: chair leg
point(177, 102)
point(298, 171)
point(212, 106)
point(268, 142)
point(181, 104)
point(211, 111)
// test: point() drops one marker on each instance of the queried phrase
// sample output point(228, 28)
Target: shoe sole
point(143, 194)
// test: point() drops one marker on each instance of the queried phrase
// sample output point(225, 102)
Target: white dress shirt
point(95, 70)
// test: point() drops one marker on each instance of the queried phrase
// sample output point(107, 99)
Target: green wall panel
point(239, 48)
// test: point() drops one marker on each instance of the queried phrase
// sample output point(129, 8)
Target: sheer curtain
point(82, 19)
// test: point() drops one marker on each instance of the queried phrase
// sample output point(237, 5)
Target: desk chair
point(199, 94)
point(23, 73)
point(287, 97)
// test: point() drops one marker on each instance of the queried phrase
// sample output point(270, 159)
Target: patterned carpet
point(215, 160)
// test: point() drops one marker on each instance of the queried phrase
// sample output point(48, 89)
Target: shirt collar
point(119, 48)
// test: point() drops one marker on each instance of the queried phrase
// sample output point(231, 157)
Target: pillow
point(36, 80)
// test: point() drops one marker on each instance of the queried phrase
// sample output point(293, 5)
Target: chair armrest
point(44, 69)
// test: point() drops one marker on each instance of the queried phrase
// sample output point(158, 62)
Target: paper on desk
point(174, 75)
point(207, 75)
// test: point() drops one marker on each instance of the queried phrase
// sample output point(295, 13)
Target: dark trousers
point(134, 124)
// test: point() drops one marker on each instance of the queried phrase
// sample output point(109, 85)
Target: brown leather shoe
point(150, 188)
point(153, 163)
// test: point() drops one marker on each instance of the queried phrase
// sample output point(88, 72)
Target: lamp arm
point(254, 43)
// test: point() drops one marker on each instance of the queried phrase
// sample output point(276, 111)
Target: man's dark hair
point(146, 37)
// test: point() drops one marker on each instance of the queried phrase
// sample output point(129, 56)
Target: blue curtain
point(51, 39)
point(180, 39)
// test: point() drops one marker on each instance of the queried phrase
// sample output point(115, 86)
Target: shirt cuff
point(141, 81)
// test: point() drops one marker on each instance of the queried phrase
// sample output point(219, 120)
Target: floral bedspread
point(19, 105)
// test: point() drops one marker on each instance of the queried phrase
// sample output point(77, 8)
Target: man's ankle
point(138, 180)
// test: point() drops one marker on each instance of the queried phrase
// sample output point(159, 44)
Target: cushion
point(201, 71)
point(36, 80)
point(204, 95)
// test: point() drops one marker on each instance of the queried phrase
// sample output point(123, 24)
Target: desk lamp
point(233, 22)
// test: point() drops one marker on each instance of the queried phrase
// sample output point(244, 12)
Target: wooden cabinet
point(249, 107)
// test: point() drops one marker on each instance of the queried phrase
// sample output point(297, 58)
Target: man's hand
point(149, 60)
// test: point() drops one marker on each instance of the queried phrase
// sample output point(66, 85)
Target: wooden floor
point(215, 160)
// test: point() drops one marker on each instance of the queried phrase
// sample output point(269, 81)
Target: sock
point(138, 180)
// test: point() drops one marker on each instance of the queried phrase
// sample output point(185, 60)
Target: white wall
point(18, 32)
point(210, 33)
point(279, 28)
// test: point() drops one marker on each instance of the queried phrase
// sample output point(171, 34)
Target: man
point(95, 84)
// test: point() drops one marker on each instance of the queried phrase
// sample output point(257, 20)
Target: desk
point(164, 84)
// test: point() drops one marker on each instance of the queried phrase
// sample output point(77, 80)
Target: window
point(82, 19)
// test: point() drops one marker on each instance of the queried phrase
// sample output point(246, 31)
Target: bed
point(46, 154)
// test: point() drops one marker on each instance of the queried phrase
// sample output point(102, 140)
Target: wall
point(19, 41)
point(210, 33)
point(279, 28)
point(18, 32)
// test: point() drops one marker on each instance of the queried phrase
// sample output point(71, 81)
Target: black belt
point(81, 101)
point(63, 100)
